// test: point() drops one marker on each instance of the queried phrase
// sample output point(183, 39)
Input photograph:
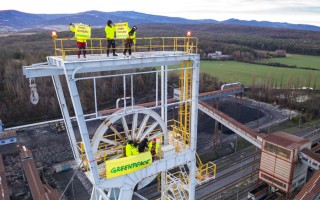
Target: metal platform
point(56, 65)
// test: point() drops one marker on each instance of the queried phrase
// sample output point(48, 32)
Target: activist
point(131, 39)
point(110, 32)
point(153, 146)
point(143, 145)
point(129, 148)
point(81, 42)
point(134, 149)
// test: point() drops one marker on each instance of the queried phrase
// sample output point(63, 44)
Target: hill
point(12, 20)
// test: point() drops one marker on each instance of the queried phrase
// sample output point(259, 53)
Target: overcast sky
point(292, 11)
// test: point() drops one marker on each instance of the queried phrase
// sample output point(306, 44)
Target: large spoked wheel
point(133, 123)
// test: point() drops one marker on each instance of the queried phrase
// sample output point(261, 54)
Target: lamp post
point(54, 35)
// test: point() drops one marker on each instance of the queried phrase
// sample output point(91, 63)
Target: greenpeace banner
point(126, 165)
point(122, 29)
point(82, 31)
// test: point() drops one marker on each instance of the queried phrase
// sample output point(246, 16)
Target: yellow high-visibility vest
point(110, 32)
point(73, 29)
point(157, 147)
point(128, 150)
point(134, 150)
point(150, 144)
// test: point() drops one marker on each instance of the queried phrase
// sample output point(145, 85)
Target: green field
point(296, 60)
point(231, 71)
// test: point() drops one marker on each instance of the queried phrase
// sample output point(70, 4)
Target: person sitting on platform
point(143, 145)
point(135, 150)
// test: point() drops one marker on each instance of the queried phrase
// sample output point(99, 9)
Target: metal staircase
point(176, 186)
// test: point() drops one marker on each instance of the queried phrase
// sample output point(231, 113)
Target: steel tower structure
point(137, 122)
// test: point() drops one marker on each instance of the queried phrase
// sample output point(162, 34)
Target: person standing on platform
point(81, 42)
point(154, 146)
point(110, 35)
point(130, 40)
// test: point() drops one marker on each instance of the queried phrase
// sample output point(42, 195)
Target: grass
point(296, 60)
point(242, 143)
point(231, 71)
point(291, 126)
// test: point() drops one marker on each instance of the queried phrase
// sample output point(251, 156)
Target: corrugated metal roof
point(311, 154)
point(311, 189)
point(286, 140)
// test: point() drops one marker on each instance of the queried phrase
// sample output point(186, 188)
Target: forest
point(243, 42)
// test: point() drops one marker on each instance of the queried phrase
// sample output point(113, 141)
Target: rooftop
point(311, 189)
point(311, 154)
point(286, 140)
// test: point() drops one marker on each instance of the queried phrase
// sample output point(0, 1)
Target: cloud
point(270, 10)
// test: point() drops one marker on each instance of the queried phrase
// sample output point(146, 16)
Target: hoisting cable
point(34, 96)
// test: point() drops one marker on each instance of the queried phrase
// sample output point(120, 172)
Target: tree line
point(17, 51)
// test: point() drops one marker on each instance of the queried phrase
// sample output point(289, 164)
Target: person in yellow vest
point(81, 43)
point(110, 35)
point(135, 150)
point(131, 39)
point(129, 148)
point(154, 146)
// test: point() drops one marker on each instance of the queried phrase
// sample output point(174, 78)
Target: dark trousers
point(128, 45)
point(113, 44)
point(82, 47)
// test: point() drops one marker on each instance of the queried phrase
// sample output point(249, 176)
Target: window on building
point(277, 150)
point(274, 181)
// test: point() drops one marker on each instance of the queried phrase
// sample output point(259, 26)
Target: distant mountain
point(12, 20)
point(271, 24)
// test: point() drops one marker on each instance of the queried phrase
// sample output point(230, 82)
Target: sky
point(291, 11)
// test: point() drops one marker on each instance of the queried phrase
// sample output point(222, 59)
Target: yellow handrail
point(64, 46)
point(199, 160)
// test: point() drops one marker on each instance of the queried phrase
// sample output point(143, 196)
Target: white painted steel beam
point(194, 128)
point(100, 64)
point(42, 71)
point(66, 117)
point(98, 194)
point(75, 98)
